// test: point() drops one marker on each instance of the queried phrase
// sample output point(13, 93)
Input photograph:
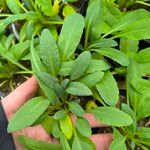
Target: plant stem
point(143, 3)
point(24, 72)
point(53, 22)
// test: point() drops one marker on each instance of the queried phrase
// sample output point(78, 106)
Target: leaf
point(114, 54)
point(97, 65)
point(61, 114)
point(112, 116)
point(23, 16)
point(141, 85)
point(47, 79)
point(94, 19)
point(75, 108)
point(9, 57)
point(129, 46)
point(49, 52)
point(14, 6)
point(68, 41)
point(143, 132)
point(143, 107)
point(138, 31)
point(103, 43)
point(46, 7)
point(132, 74)
point(118, 143)
point(108, 89)
point(37, 67)
point(66, 127)
point(68, 10)
point(81, 143)
point(28, 114)
point(64, 143)
point(21, 49)
point(39, 145)
point(133, 25)
point(80, 65)
point(66, 68)
point(79, 89)
point(83, 127)
point(92, 79)
point(143, 56)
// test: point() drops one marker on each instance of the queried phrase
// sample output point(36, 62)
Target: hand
point(22, 94)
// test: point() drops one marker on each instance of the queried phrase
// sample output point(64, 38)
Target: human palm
point(21, 95)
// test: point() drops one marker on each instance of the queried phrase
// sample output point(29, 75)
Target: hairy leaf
point(108, 89)
point(79, 89)
point(92, 79)
point(69, 40)
point(39, 145)
point(66, 68)
point(114, 54)
point(97, 65)
point(61, 114)
point(75, 108)
point(83, 127)
point(80, 65)
point(112, 116)
point(28, 114)
point(49, 52)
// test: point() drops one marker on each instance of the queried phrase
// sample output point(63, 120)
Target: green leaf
point(64, 143)
point(28, 114)
point(45, 6)
point(129, 46)
point(49, 52)
point(141, 85)
point(118, 143)
point(38, 145)
point(68, 10)
point(61, 114)
point(112, 116)
point(143, 132)
point(83, 127)
point(95, 20)
point(23, 16)
point(97, 65)
point(144, 68)
point(83, 142)
point(66, 68)
point(114, 54)
point(108, 89)
point(79, 89)
point(92, 79)
point(9, 56)
point(103, 43)
point(68, 41)
point(133, 73)
point(75, 108)
point(76, 143)
point(46, 79)
point(37, 67)
point(143, 56)
point(66, 127)
point(80, 65)
point(143, 107)
point(14, 6)
point(133, 19)
point(21, 49)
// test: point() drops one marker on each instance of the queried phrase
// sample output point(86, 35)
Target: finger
point(102, 141)
point(19, 96)
point(91, 119)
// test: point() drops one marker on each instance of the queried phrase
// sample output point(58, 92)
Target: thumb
point(19, 96)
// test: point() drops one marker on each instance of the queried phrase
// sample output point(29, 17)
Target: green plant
point(85, 65)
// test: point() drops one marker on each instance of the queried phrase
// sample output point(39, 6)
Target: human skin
point(22, 94)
